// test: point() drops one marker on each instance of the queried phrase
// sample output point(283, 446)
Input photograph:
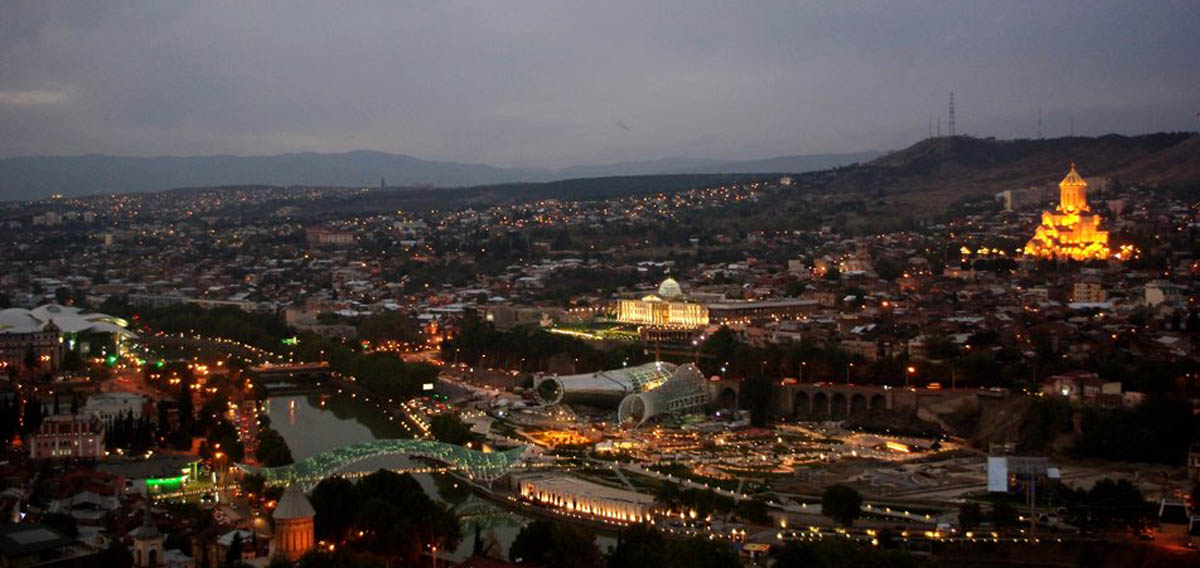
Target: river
point(313, 424)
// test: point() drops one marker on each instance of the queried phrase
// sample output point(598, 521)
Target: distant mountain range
point(36, 177)
point(940, 169)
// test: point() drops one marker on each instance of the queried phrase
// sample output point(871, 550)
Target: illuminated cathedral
point(1071, 231)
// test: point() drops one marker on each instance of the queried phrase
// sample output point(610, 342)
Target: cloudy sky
point(556, 83)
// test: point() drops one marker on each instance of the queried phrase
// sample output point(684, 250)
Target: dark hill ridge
point(958, 166)
point(41, 176)
point(933, 170)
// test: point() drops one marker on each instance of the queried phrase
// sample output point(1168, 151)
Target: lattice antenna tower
point(951, 124)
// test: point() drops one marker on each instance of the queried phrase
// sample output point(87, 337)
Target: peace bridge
point(478, 465)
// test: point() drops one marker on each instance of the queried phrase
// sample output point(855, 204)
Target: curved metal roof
point(68, 319)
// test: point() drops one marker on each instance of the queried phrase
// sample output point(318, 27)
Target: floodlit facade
point(685, 391)
point(293, 525)
point(668, 308)
point(581, 497)
point(603, 388)
point(1072, 231)
point(653, 310)
point(80, 437)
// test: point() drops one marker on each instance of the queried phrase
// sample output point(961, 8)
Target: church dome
point(669, 289)
point(147, 531)
point(1073, 179)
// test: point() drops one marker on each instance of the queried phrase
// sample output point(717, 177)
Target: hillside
point(943, 169)
point(417, 199)
point(41, 176)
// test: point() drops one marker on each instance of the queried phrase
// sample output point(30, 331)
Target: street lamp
point(910, 371)
point(803, 364)
point(848, 367)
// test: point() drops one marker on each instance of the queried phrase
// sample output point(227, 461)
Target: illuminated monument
point(668, 309)
point(1071, 231)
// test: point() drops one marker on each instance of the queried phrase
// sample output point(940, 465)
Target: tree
point(399, 519)
point(754, 511)
point(1117, 502)
point(700, 552)
point(555, 544)
point(667, 494)
point(185, 405)
point(721, 346)
point(34, 414)
point(1004, 514)
point(637, 546)
point(316, 559)
point(253, 483)
point(836, 553)
point(334, 499)
point(842, 504)
point(449, 429)
point(233, 556)
point(756, 395)
point(383, 326)
point(970, 515)
point(272, 450)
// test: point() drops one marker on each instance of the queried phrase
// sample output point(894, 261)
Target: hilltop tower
point(953, 132)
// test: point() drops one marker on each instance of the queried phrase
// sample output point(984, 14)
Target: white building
point(109, 405)
point(68, 437)
point(577, 496)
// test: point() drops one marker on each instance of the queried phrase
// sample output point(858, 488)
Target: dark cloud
point(539, 83)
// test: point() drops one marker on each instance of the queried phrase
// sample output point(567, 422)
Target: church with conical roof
point(293, 518)
point(1071, 231)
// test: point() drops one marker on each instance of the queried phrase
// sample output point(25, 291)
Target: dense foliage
point(448, 428)
point(396, 518)
point(1158, 430)
point(842, 504)
point(549, 543)
point(642, 545)
point(836, 553)
point(479, 343)
point(272, 450)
